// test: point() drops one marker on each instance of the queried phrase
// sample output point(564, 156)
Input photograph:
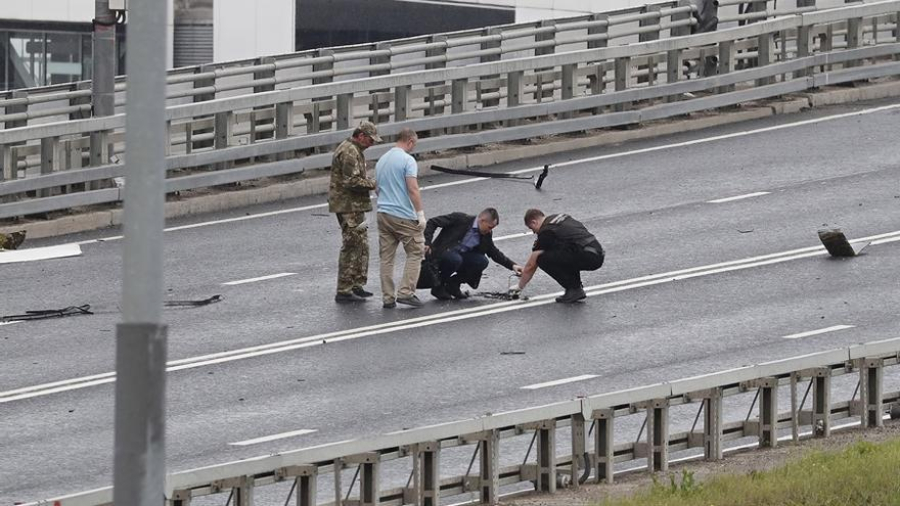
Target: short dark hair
point(533, 214)
point(356, 132)
point(492, 214)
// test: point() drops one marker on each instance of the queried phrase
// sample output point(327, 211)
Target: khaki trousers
point(393, 231)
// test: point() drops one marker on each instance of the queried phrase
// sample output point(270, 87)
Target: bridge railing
point(282, 132)
point(586, 430)
point(24, 107)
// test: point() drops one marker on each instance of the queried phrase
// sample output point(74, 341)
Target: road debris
point(193, 303)
point(46, 314)
point(536, 181)
point(13, 240)
point(837, 244)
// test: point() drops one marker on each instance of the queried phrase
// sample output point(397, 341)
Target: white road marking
point(35, 254)
point(10, 323)
point(512, 236)
point(274, 437)
point(738, 197)
point(826, 330)
point(261, 278)
point(440, 318)
point(611, 156)
point(563, 381)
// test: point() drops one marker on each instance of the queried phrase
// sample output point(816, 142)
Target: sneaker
point(412, 300)
point(572, 295)
point(454, 290)
point(440, 293)
point(361, 292)
point(389, 305)
point(341, 298)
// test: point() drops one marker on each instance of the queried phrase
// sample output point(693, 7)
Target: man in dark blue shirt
point(461, 250)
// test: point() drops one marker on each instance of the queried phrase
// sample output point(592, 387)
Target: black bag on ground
point(430, 275)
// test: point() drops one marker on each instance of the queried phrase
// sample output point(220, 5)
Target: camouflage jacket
point(350, 186)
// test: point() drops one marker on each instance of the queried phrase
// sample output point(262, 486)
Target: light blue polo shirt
point(391, 172)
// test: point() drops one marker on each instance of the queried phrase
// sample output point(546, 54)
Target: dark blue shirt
point(471, 240)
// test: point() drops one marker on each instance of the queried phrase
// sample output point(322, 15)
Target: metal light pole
point(139, 466)
point(103, 58)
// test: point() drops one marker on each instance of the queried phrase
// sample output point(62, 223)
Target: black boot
point(572, 296)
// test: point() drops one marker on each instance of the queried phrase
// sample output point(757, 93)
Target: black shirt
point(561, 231)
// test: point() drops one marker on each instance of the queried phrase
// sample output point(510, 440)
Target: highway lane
point(812, 179)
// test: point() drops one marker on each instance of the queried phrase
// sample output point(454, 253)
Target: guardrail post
point(243, 493)
point(546, 457)
point(344, 111)
point(568, 85)
point(490, 468)
point(623, 79)
point(804, 47)
point(855, 37)
point(85, 100)
point(376, 105)
point(713, 425)
point(9, 162)
point(649, 36)
point(306, 485)
point(224, 129)
point(401, 103)
point(658, 435)
point(897, 33)
point(674, 63)
point(597, 78)
point(16, 109)
point(209, 84)
point(821, 397)
point(328, 68)
point(493, 31)
point(871, 380)
point(604, 445)
point(338, 487)
point(766, 51)
point(49, 146)
point(181, 498)
point(726, 63)
point(459, 93)
point(259, 75)
point(549, 35)
point(578, 448)
point(428, 475)
point(515, 88)
point(768, 412)
point(795, 409)
point(434, 109)
point(284, 123)
point(369, 494)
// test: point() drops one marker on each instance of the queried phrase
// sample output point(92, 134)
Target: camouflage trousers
point(11, 241)
point(353, 265)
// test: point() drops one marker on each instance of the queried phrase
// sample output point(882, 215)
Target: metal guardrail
point(586, 419)
point(286, 131)
point(23, 107)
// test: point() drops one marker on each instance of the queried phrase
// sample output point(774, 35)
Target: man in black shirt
point(563, 249)
point(461, 250)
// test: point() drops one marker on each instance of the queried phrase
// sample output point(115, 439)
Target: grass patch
point(863, 474)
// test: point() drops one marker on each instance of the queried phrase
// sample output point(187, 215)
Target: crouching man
point(461, 250)
point(563, 249)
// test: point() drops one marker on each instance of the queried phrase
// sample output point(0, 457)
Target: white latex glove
point(422, 220)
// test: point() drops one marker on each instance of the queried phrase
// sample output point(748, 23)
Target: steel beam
point(604, 445)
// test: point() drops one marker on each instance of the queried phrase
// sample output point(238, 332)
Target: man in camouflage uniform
point(11, 241)
point(348, 198)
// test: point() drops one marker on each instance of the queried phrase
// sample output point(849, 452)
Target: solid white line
point(35, 254)
point(274, 437)
point(440, 318)
point(826, 330)
point(513, 236)
point(537, 169)
point(10, 323)
point(261, 278)
point(563, 381)
point(739, 197)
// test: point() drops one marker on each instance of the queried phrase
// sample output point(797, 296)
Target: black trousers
point(565, 265)
point(463, 267)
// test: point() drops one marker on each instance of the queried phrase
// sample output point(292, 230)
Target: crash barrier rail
point(217, 80)
point(590, 422)
point(285, 132)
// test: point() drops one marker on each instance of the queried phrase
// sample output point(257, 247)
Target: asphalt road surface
point(277, 365)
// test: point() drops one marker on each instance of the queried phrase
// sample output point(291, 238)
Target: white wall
point(48, 10)
point(251, 28)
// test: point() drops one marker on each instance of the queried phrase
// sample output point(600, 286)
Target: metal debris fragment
point(193, 303)
point(837, 244)
point(46, 314)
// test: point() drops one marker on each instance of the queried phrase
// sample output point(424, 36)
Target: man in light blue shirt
point(401, 220)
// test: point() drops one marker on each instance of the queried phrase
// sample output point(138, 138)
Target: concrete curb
point(319, 185)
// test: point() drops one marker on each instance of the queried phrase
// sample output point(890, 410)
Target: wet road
point(277, 356)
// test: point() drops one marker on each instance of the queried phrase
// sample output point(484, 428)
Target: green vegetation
point(863, 474)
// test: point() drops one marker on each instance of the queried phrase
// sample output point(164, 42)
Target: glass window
point(63, 57)
point(27, 61)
